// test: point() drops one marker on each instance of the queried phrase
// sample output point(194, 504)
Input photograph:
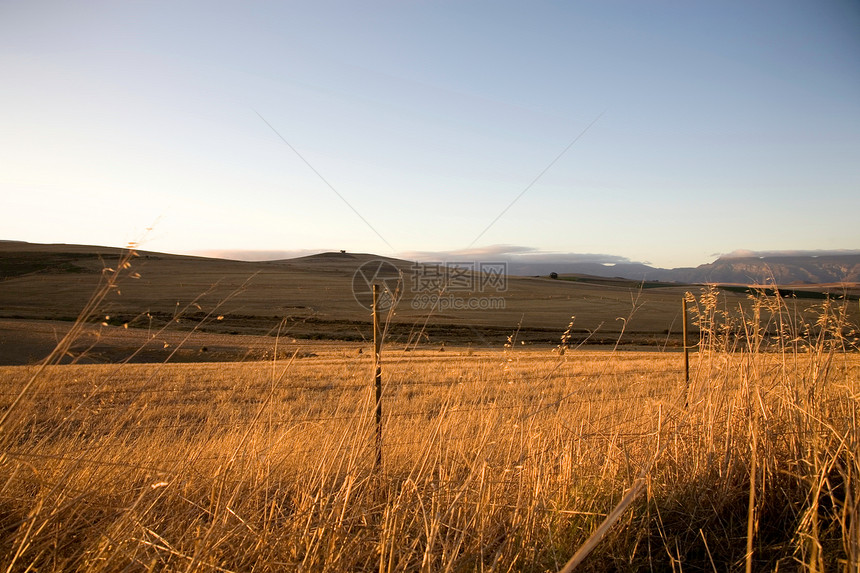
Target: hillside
point(326, 296)
point(782, 270)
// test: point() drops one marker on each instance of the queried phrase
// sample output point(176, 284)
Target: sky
point(665, 132)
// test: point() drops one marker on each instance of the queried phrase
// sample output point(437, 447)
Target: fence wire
point(581, 389)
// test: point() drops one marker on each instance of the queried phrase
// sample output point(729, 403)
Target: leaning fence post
point(377, 375)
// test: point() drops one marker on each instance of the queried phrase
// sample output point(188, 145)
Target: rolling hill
point(323, 296)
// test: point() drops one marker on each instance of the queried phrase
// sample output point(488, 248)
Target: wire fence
point(117, 407)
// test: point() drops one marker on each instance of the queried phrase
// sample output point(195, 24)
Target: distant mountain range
point(743, 267)
point(779, 269)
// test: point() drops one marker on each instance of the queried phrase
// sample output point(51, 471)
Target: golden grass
point(492, 460)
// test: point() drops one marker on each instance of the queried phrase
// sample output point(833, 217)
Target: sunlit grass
point(491, 460)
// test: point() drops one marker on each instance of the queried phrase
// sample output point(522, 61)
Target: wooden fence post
point(686, 351)
point(377, 375)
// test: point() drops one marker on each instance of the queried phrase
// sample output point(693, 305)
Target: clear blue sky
point(725, 125)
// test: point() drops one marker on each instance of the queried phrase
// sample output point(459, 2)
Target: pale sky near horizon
point(708, 126)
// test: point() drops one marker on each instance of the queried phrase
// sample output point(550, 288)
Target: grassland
point(492, 460)
point(494, 457)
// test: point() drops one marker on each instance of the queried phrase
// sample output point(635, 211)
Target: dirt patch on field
point(30, 341)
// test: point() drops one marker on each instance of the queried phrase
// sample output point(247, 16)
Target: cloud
point(518, 258)
point(511, 253)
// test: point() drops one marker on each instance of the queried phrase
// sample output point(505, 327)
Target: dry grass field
point(512, 459)
point(249, 452)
